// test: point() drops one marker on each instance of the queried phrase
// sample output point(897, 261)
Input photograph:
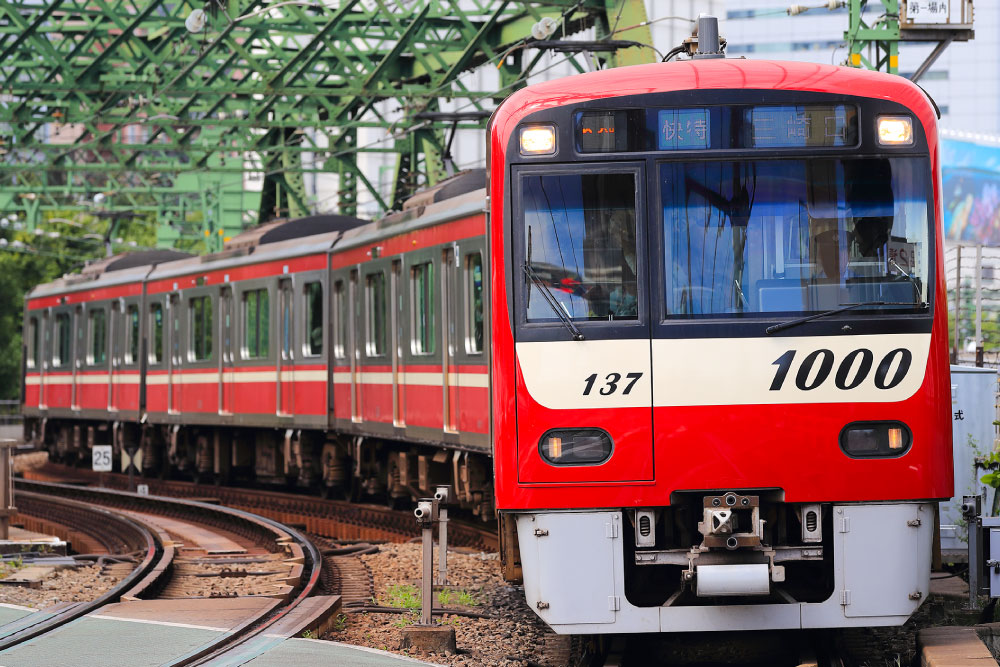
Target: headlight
point(538, 140)
point(895, 130)
point(575, 446)
point(875, 439)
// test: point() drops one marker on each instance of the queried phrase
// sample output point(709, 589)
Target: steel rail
point(148, 539)
point(259, 528)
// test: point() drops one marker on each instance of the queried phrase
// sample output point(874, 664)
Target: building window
point(474, 303)
point(256, 324)
point(422, 309)
point(63, 340)
point(375, 322)
point(132, 334)
point(200, 311)
point(98, 337)
point(156, 326)
point(314, 319)
point(340, 321)
point(32, 342)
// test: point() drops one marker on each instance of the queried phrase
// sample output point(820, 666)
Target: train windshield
point(794, 236)
point(580, 238)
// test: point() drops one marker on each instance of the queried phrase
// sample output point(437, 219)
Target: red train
point(699, 349)
point(720, 374)
point(327, 352)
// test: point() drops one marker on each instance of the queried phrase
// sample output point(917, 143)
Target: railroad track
point(162, 575)
point(335, 519)
point(120, 534)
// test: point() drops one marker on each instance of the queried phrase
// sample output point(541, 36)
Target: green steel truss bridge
point(164, 108)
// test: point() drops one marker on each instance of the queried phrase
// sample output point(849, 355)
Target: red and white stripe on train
point(325, 352)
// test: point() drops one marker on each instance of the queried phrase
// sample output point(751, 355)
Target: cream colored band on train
point(724, 371)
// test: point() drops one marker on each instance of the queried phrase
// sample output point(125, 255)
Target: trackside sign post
point(101, 457)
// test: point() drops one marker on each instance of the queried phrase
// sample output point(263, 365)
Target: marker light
point(895, 130)
point(875, 439)
point(575, 446)
point(538, 140)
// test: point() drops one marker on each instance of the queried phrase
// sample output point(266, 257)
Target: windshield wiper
point(791, 323)
point(553, 303)
point(916, 290)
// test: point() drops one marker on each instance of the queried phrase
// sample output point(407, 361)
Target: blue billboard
point(970, 189)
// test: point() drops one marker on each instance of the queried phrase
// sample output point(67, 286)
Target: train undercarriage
point(329, 463)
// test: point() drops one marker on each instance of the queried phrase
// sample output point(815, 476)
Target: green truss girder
point(875, 46)
point(118, 97)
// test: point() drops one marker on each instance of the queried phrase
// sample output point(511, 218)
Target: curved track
point(120, 534)
point(337, 519)
point(259, 529)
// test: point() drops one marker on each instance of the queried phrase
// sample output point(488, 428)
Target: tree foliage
point(65, 242)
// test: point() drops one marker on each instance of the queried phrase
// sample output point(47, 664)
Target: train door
point(353, 345)
point(174, 359)
point(226, 373)
point(583, 333)
point(115, 330)
point(78, 354)
point(376, 387)
point(396, 319)
point(286, 358)
point(449, 337)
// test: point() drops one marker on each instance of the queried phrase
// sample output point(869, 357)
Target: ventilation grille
point(811, 521)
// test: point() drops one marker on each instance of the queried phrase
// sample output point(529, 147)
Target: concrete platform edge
point(954, 646)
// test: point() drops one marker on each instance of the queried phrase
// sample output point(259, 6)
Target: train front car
point(720, 380)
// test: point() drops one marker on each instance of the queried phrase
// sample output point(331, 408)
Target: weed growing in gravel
point(340, 623)
point(463, 598)
point(403, 595)
point(308, 634)
point(405, 620)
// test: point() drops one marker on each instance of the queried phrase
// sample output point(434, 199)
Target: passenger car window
point(422, 308)
point(375, 322)
point(132, 334)
point(63, 340)
point(200, 312)
point(474, 303)
point(314, 319)
point(156, 326)
point(256, 324)
point(98, 337)
point(32, 342)
point(340, 323)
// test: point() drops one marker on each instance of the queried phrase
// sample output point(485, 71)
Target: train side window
point(422, 309)
point(32, 355)
point(375, 322)
point(200, 311)
point(314, 319)
point(64, 340)
point(474, 303)
point(156, 326)
point(132, 334)
point(340, 320)
point(256, 324)
point(98, 337)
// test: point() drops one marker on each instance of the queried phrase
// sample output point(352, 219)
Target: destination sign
point(737, 127)
point(800, 126)
point(682, 129)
